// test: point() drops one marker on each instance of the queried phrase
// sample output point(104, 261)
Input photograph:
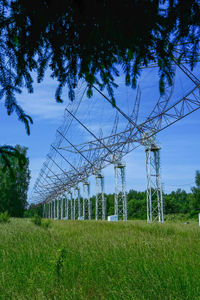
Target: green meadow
point(99, 260)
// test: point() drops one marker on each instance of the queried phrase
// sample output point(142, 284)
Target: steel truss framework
point(94, 155)
point(100, 212)
point(77, 203)
point(120, 191)
point(86, 201)
point(154, 187)
point(69, 206)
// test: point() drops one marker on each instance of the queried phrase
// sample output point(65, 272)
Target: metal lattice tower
point(120, 190)
point(77, 203)
point(66, 206)
point(44, 210)
point(73, 206)
point(154, 187)
point(100, 199)
point(58, 209)
point(54, 209)
point(49, 211)
point(86, 201)
point(71, 209)
point(61, 207)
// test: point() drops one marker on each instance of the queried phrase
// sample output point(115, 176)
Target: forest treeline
point(177, 202)
point(14, 187)
point(14, 182)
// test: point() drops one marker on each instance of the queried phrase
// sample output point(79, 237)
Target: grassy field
point(99, 260)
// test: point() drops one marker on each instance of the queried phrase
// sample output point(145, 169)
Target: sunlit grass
point(99, 260)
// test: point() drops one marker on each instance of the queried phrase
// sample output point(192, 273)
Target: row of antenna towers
point(69, 164)
point(72, 206)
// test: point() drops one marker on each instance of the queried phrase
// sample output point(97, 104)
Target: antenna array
point(83, 148)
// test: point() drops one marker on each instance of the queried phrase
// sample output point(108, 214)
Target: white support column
point(83, 208)
point(120, 191)
point(66, 207)
point(89, 205)
point(49, 211)
point(54, 209)
point(61, 208)
point(44, 207)
point(74, 206)
point(78, 203)
point(100, 199)
point(86, 201)
point(154, 188)
point(71, 205)
point(58, 208)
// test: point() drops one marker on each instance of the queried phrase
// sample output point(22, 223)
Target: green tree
point(110, 202)
point(13, 188)
point(195, 200)
point(136, 204)
point(177, 202)
point(33, 210)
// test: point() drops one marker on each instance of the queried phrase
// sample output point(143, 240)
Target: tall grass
point(99, 260)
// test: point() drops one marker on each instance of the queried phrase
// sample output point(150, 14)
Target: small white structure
point(81, 218)
point(113, 218)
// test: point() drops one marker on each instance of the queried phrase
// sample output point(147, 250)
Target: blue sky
point(180, 143)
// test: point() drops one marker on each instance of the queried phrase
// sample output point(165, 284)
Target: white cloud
point(42, 103)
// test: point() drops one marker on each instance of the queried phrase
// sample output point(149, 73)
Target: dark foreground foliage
point(90, 39)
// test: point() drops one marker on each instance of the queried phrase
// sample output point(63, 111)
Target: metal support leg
point(77, 203)
point(49, 210)
point(44, 207)
point(71, 206)
point(154, 188)
point(54, 209)
point(100, 200)
point(66, 207)
point(120, 191)
point(86, 201)
point(58, 208)
point(61, 208)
